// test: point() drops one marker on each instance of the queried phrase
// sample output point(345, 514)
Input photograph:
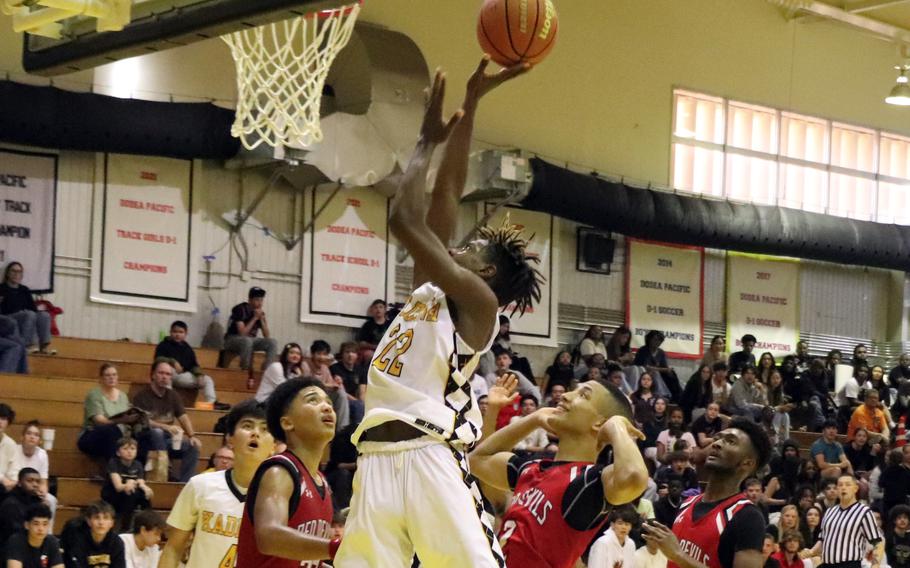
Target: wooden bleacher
point(54, 393)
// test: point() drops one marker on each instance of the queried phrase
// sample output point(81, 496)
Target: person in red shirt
point(720, 528)
point(287, 520)
point(791, 542)
point(560, 505)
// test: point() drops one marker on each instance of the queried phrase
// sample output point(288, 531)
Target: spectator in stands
point(247, 320)
point(766, 365)
point(7, 449)
point(901, 407)
point(769, 548)
point(901, 372)
point(167, 419)
point(809, 476)
point(37, 547)
point(556, 394)
point(870, 416)
point(720, 388)
point(696, 394)
point(788, 371)
point(848, 397)
point(895, 478)
point(140, 548)
point(791, 542)
point(716, 352)
point(536, 442)
point(89, 541)
point(828, 496)
point(812, 394)
point(654, 360)
point(753, 492)
point(341, 467)
point(745, 357)
point(619, 347)
point(897, 537)
point(125, 487)
point(353, 377)
point(747, 397)
point(789, 519)
point(26, 493)
point(105, 421)
point(13, 355)
point(597, 361)
point(811, 525)
point(618, 378)
point(503, 367)
point(560, 372)
point(666, 440)
point(861, 453)
point(317, 367)
point(649, 556)
point(593, 342)
point(781, 482)
point(222, 459)
point(802, 354)
point(860, 352)
point(615, 547)
point(878, 382)
point(667, 507)
point(503, 342)
point(16, 302)
point(189, 374)
point(781, 404)
point(643, 399)
point(707, 426)
point(829, 454)
point(29, 454)
point(654, 427)
point(373, 329)
point(288, 366)
point(678, 469)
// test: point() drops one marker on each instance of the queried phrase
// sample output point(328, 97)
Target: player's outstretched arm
point(177, 541)
point(432, 262)
point(627, 477)
point(273, 535)
point(453, 170)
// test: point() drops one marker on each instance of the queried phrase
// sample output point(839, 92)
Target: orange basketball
point(517, 31)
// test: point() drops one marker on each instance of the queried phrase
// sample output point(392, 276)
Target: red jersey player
point(720, 528)
point(560, 505)
point(287, 521)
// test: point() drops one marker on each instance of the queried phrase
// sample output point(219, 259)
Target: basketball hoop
point(281, 70)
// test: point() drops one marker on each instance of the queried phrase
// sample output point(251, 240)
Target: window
point(756, 154)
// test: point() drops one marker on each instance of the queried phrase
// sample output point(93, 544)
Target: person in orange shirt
point(870, 416)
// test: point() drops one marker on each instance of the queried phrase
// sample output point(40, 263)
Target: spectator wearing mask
point(16, 302)
point(353, 377)
point(747, 396)
point(36, 547)
point(654, 360)
point(897, 537)
point(246, 322)
point(371, 332)
point(615, 547)
point(188, 373)
point(716, 352)
point(288, 366)
point(140, 547)
point(901, 372)
point(619, 347)
point(744, 357)
point(666, 440)
point(870, 416)
point(88, 541)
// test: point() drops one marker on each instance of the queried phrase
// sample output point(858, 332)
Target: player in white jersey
point(211, 504)
point(413, 492)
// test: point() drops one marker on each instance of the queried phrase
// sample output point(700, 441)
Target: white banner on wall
point(143, 250)
point(665, 291)
point(348, 260)
point(538, 324)
point(763, 299)
point(28, 190)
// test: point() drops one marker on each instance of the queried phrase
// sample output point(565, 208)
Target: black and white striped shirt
point(847, 533)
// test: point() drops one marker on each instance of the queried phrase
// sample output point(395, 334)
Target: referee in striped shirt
point(848, 530)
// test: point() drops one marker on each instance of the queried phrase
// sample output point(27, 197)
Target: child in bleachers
point(88, 541)
point(141, 546)
point(37, 547)
point(125, 488)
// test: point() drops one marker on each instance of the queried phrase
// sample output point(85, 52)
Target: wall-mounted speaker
point(594, 252)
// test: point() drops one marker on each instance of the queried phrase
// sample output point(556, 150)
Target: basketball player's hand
point(662, 537)
point(543, 417)
point(503, 392)
point(436, 129)
point(617, 425)
point(482, 82)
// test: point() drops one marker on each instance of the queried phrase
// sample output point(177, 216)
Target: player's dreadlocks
point(515, 279)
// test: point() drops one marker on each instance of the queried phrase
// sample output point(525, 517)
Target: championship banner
point(537, 325)
point(348, 260)
point(143, 250)
point(763, 299)
point(28, 194)
point(665, 291)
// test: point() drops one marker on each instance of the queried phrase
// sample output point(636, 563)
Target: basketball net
point(281, 71)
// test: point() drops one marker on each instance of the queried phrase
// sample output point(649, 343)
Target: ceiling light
point(900, 94)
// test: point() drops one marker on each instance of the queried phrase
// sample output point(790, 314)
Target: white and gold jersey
point(211, 505)
point(420, 373)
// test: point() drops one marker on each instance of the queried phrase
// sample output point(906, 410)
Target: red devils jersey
point(309, 511)
point(557, 510)
point(701, 539)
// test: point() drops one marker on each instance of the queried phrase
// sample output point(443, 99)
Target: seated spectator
point(125, 487)
point(13, 355)
point(745, 357)
point(666, 440)
point(766, 365)
point(897, 537)
point(870, 416)
point(597, 361)
point(36, 547)
point(802, 355)
point(503, 342)
point(7, 449)
point(618, 378)
point(697, 393)
point(654, 360)
point(560, 372)
point(901, 372)
point(653, 428)
point(781, 482)
point(707, 426)
point(900, 410)
point(667, 507)
point(791, 543)
point(753, 491)
point(848, 397)
point(649, 556)
point(828, 497)
point(832, 359)
point(829, 454)
point(860, 352)
point(318, 367)
point(720, 388)
point(716, 352)
point(372, 330)
point(878, 382)
point(679, 470)
point(615, 547)
point(140, 548)
point(747, 396)
point(861, 453)
point(288, 366)
point(789, 519)
point(780, 404)
point(353, 377)
point(341, 467)
point(895, 478)
point(808, 477)
point(593, 342)
point(29, 454)
point(167, 420)
point(105, 421)
point(16, 301)
point(504, 366)
point(247, 320)
point(25, 494)
point(89, 538)
point(811, 528)
point(812, 394)
point(556, 394)
point(189, 374)
point(769, 547)
point(643, 399)
point(536, 442)
point(221, 460)
point(619, 348)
